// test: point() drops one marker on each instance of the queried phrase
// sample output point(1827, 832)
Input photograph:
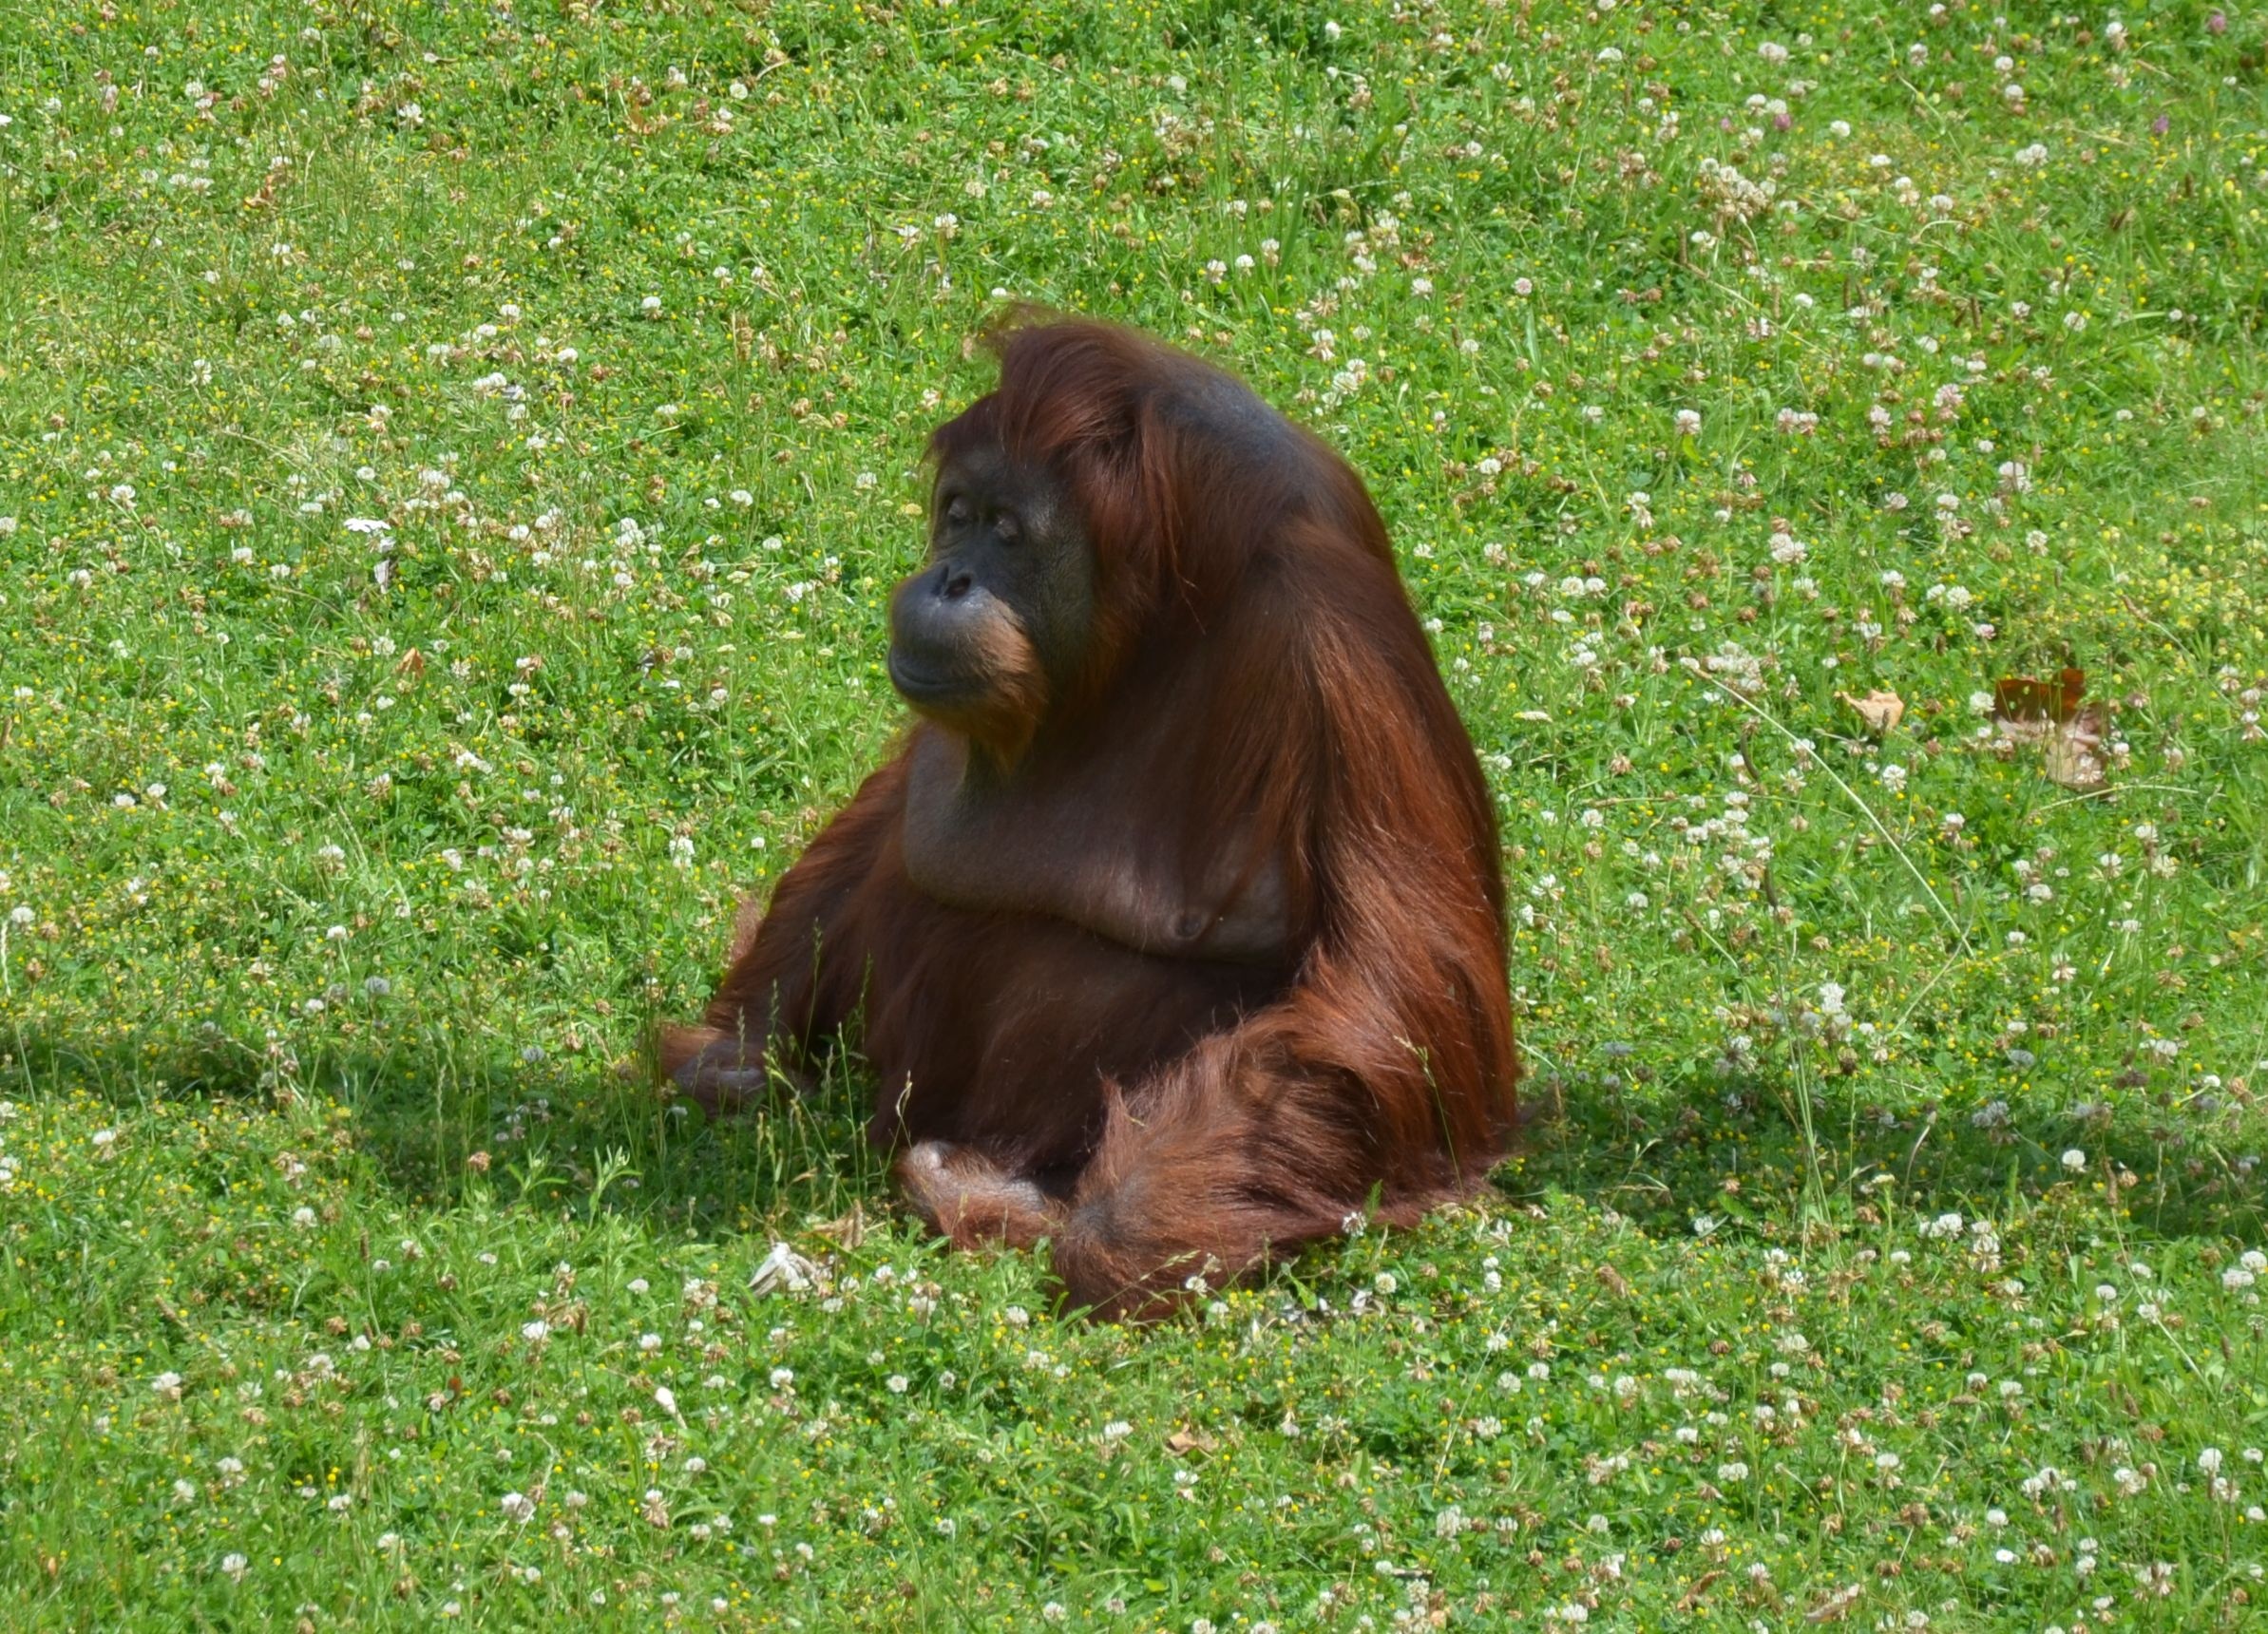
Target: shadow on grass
point(433, 1112)
point(430, 1111)
point(1704, 1148)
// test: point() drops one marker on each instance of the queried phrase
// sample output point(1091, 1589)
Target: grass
point(453, 457)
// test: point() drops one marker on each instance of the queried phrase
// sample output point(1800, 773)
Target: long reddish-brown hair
point(1257, 684)
point(1212, 515)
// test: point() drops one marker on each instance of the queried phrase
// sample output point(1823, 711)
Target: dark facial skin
point(1000, 615)
point(983, 639)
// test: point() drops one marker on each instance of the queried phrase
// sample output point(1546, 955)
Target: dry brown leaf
point(849, 1230)
point(1187, 1440)
point(1836, 1606)
point(1880, 711)
point(783, 1270)
point(2072, 756)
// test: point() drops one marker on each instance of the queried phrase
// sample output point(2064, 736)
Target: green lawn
point(453, 457)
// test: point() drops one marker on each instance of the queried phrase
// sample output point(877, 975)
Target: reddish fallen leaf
point(2050, 713)
point(2022, 698)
